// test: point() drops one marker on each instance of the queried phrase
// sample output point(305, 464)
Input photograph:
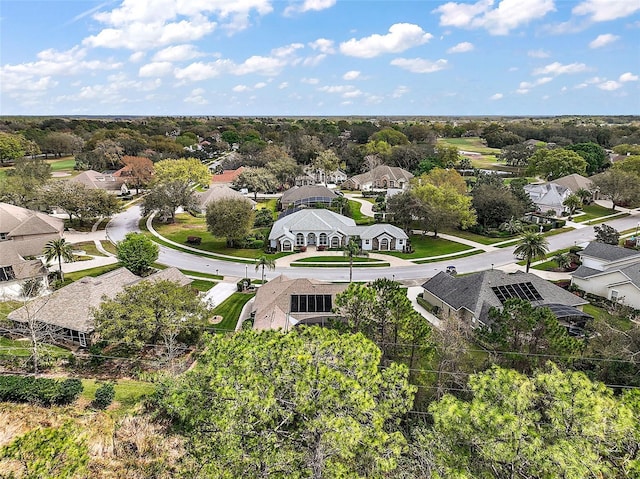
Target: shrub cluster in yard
point(39, 390)
point(104, 396)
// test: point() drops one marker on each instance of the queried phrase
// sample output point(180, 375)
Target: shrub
point(39, 390)
point(559, 223)
point(104, 396)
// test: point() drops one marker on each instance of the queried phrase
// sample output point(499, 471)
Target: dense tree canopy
point(230, 218)
point(137, 253)
point(309, 403)
point(552, 164)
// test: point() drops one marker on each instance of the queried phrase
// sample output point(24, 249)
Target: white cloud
point(283, 85)
point(177, 53)
point(287, 50)
point(506, 16)
point(155, 69)
point(401, 37)
point(196, 97)
point(351, 75)
point(267, 66)
point(538, 54)
point(557, 68)
point(313, 61)
point(310, 81)
point(199, 71)
point(400, 91)
point(324, 45)
point(419, 65)
point(240, 88)
point(525, 86)
point(309, 5)
point(626, 77)
point(461, 48)
point(259, 85)
point(345, 91)
point(497, 96)
point(136, 57)
point(605, 10)
point(352, 94)
point(602, 40)
point(610, 85)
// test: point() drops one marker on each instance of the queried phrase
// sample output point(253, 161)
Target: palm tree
point(563, 260)
point(532, 246)
point(584, 195)
point(265, 262)
point(351, 250)
point(573, 203)
point(513, 226)
point(60, 250)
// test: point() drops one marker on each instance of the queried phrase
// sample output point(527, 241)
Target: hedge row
point(39, 390)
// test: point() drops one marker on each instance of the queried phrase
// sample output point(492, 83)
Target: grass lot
point(93, 272)
point(474, 144)
point(602, 314)
point(109, 246)
point(593, 211)
point(128, 391)
point(357, 215)
point(486, 240)
point(451, 258)
point(187, 225)
point(426, 246)
point(230, 310)
point(270, 204)
point(336, 259)
point(88, 247)
point(548, 233)
point(203, 285)
point(64, 164)
point(597, 221)
point(188, 272)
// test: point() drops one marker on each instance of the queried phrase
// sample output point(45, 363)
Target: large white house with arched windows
point(324, 228)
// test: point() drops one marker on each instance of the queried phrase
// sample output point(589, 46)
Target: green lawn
point(230, 310)
point(593, 211)
point(600, 313)
point(202, 284)
point(88, 247)
point(357, 215)
point(474, 144)
point(188, 272)
point(486, 240)
point(128, 392)
point(64, 164)
point(379, 264)
point(426, 246)
point(21, 349)
point(93, 272)
point(187, 225)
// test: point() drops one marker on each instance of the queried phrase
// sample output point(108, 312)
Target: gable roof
point(17, 221)
point(574, 182)
point(272, 301)
point(298, 193)
point(71, 306)
point(475, 292)
point(394, 173)
point(218, 192)
point(227, 176)
point(22, 269)
point(99, 181)
point(607, 252)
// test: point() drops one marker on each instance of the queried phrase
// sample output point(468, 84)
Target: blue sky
point(319, 57)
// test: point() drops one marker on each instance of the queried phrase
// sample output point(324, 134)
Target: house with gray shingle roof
point(471, 297)
point(15, 270)
point(217, 192)
point(611, 272)
point(318, 227)
point(283, 303)
point(381, 177)
point(94, 180)
point(68, 312)
point(548, 196)
point(28, 230)
point(575, 182)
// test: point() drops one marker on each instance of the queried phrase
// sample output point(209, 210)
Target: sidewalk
point(311, 252)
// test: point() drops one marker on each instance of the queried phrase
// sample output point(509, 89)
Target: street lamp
point(246, 271)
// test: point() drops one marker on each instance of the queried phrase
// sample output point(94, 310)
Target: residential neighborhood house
point(548, 196)
point(95, 180)
point(611, 272)
point(15, 271)
point(306, 196)
point(575, 182)
point(471, 297)
point(283, 303)
point(217, 192)
point(68, 312)
point(314, 176)
point(381, 177)
point(324, 228)
point(28, 230)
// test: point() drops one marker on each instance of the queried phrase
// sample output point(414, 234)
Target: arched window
point(384, 244)
point(299, 239)
point(322, 240)
point(286, 245)
point(335, 242)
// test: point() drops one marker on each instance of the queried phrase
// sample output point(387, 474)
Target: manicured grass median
point(468, 235)
point(230, 310)
point(450, 258)
point(340, 265)
point(593, 211)
point(336, 259)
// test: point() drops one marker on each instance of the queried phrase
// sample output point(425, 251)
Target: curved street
point(128, 220)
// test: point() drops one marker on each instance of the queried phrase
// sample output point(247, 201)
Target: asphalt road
point(127, 221)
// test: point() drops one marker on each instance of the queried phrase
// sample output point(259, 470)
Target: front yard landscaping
point(230, 310)
point(428, 246)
